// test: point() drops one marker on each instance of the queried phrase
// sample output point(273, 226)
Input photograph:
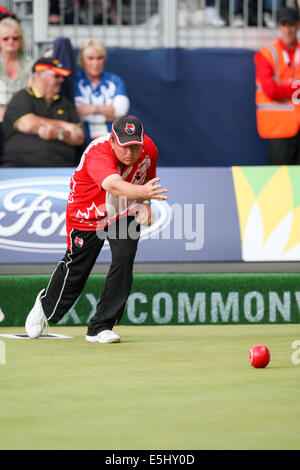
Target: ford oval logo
point(33, 210)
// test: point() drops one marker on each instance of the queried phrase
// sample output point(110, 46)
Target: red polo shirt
point(91, 207)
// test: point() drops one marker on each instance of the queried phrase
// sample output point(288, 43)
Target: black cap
point(49, 63)
point(288, 14)
point(128, 130)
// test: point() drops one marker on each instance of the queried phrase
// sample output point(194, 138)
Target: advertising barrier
point(211, 215)
point(268, 201)
point(199, 222)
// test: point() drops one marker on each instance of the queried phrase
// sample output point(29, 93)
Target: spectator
point(212, 15)
point(248, 13)
point(100, 96)
point(64, 12)
point(114, 15)
point(271, 9)
point(40, 127)
point(85, 12)
point(277, 81)
point(15, 65)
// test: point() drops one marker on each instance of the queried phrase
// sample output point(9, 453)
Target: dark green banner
point(171, 299)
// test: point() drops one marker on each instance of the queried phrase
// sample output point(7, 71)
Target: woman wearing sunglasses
point(15, 65)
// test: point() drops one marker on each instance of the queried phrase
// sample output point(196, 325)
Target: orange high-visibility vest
point(279, 119)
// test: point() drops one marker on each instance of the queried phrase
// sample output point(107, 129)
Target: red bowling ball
point(259, 356)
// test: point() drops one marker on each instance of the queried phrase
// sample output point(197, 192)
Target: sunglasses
point(13, 38)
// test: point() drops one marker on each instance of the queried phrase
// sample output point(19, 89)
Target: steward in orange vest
point(278, 91)
point(279, 118)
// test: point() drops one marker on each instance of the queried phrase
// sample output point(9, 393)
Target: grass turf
point(162, 387)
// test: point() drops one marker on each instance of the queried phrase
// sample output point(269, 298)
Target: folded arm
point(51, 129)
point(271, 85)
point(118, 107)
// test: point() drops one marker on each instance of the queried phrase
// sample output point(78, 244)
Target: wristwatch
point(61, 135)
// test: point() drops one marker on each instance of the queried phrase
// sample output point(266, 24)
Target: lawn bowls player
point(110, 194)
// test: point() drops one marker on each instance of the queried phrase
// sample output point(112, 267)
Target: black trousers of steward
point(285, 151)
point(71, 274)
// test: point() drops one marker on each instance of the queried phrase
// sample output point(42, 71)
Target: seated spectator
point(40, 127)
point(86, 12)
point(270, 12)
point(109, 13)
point(212, 15)
point(15, 65)
point(100, 96)
point(64, 12)
point(249, 11)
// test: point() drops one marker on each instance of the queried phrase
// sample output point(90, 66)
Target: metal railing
point(131, 23)
point(228, 23)
point(147, 24)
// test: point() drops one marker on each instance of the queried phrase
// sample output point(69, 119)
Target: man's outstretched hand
point(154, 191)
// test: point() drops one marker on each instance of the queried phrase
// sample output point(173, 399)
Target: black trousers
point(71, 274)
point(285, 151)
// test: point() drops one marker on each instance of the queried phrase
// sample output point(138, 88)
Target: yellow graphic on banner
point(268, 202)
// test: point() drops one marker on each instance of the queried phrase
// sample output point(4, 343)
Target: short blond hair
point(94, 43)
point(12, 23)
